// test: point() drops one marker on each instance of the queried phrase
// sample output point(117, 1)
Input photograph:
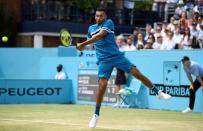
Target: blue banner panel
point(30, 91)
point(163, 68)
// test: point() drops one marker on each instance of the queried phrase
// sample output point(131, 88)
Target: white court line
point(65, 124)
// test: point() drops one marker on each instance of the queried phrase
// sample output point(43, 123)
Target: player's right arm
point(108, 27)
point(94, 38)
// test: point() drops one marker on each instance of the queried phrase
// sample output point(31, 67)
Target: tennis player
point(109, 56)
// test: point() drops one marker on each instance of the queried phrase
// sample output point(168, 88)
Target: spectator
point(177, 37)
point(176, 25)
point(135, 32)
point(148, 29)
point(151, 38)
point(195, 16)
point(188, 7)
point(60, 74)
point(168, 43)
point(200, 36)
point(158, 31)
point(183, 22)
point(192, 68)
point(198, 7)
point(129, 46)
point(180, 8)
point(157, 44)
point(186, 40)
point(140, 42)
point(171, 24)
point(190, 22)
point(194, 31)
point(120, 41)
point(149, 44)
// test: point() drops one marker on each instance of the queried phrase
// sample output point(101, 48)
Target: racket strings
point(65, 38)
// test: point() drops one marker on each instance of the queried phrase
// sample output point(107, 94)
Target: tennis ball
point(4, 38)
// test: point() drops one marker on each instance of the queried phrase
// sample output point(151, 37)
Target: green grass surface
point(76, 118)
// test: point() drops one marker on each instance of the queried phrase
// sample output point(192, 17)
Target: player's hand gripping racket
point(66, 39)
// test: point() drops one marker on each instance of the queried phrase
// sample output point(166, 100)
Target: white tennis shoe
point(164, 96)
point(116, 105)
point(187, 110)
point(93, 121)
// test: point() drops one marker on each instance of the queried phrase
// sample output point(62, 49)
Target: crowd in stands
point(183, 31)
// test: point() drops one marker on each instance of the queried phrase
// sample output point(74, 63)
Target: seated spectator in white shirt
point(140, 42)
point(129, 46)
point(177, 37)
point(194, 31)
point(186, 40)
point(120, 41)
point(60, 74)
point(168, 43)
point(157, 44)
point(158, 31)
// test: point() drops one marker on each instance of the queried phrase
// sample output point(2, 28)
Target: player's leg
point(100, 94)
point(196, 85)
point(137, 74)
point(104, 74)
point(125, 65)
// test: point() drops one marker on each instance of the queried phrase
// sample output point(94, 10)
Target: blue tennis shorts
point(121, 63)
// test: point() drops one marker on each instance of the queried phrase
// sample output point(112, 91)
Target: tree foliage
point(144, 5)
point(84, 4)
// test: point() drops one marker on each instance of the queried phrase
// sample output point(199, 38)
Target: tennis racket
point(66, 39)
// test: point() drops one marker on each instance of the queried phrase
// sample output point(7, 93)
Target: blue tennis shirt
point(106, 48)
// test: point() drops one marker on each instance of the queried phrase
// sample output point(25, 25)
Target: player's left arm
point(94, 38)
